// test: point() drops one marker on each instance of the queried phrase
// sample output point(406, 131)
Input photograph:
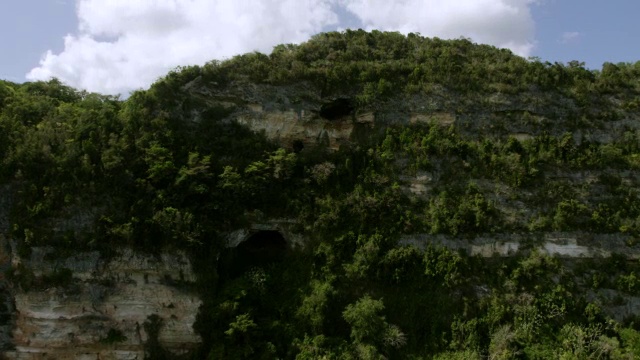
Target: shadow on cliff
point(260, 250)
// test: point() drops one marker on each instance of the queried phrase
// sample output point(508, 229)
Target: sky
point(116, 46)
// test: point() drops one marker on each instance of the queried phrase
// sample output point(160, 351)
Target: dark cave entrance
point(260, 249)
point(297, 146)
point(264, 245)
point(338, 108)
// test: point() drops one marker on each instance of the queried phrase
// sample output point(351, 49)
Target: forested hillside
point(527, 149)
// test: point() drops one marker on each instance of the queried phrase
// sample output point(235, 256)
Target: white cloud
point(503, 23)
point(569, 36)
point(123, 44)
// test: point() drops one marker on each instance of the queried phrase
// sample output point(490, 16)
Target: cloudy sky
point(115, 46)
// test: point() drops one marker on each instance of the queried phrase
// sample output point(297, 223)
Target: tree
point(367, 324)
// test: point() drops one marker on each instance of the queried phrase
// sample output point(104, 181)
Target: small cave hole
point(265, 243)
point(297, 146)
point(259, 250)
point(337, 109)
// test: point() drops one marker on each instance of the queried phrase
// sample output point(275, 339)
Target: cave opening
point(264, 244)
point(260, 249)
point(338, 108)
point(297, 146)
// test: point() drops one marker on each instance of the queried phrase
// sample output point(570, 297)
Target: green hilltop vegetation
point(152, 179)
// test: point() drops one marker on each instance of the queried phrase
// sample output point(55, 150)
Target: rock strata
point(89, 307)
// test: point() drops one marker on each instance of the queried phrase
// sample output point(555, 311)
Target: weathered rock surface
point(561, 244)
point(282, 226)
point(7, 311)
point(100, 312)
point(302, 113)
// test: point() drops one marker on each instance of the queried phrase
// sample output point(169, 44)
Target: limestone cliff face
point(289, 127)
point(99, 310)
point(7, 311)
point(87, 306)
point(579, 245)
point(301, 113)
point(296, 115)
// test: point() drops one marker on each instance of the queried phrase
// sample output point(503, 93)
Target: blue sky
point(607, 31)
point(28, 29)
point(114, 46)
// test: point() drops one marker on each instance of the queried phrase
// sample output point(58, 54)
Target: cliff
point(90, 307)
point(300, 113)
point(362, 195)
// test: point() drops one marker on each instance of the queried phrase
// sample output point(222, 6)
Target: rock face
point(295, 116)
point(7, 311)
point(282, 226)
point(296, 128)
point(301, 114)
point(560, 244)
point(88, 307)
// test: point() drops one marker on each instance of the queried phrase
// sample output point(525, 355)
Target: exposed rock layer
point(290, 113)
point(100, 312)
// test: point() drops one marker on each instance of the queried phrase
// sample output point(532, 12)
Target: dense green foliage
point(147, 176)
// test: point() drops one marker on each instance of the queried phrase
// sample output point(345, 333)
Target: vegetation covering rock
point(364, 139)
